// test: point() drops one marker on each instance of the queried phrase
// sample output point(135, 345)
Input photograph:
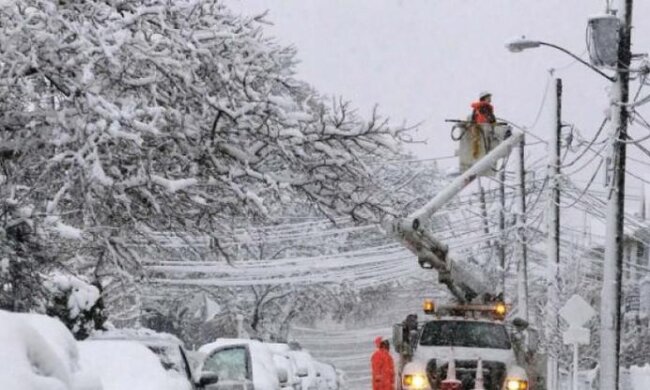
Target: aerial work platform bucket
point(476, 140)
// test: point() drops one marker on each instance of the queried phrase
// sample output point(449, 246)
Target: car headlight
point(417, 381)
point(516, 384)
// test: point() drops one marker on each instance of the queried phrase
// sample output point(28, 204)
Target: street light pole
point(553, 257)
point(610, 311)
point(522, 265)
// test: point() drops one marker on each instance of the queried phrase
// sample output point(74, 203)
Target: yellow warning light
point(500, 309)
point(416, 381)
point(516, 384)
point(428, 306)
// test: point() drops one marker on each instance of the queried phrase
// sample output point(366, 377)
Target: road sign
point(576, 311)
point(577, 336)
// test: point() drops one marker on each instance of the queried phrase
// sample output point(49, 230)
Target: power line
point(593, 140)
point(584, 191)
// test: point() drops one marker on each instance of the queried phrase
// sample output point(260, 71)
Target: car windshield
point(229, 363)
point(465, 334)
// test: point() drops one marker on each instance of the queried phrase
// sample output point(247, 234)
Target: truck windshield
point(465, 334)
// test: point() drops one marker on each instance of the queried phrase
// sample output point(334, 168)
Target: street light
point(518, 45)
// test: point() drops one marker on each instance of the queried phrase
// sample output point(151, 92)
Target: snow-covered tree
point(132, 118)
point(76, 303)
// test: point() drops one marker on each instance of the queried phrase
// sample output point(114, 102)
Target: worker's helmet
point(483, 95)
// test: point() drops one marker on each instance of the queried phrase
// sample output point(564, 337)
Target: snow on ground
point(123, 365)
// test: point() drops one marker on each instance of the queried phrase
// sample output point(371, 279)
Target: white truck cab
point(465, 334)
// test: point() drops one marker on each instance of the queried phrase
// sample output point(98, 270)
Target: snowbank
point(39, 353)
point(125, 365)
point(640, 377)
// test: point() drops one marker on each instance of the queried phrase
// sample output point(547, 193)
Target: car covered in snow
point(284, 359)
point(170, 349)
point(241, 364)
point(126, 365)
point(457, 334)
point(306, 366)
point(327, 376)
point(39, 353)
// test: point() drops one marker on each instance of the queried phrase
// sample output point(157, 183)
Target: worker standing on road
point(482, 115)
point(383, 368)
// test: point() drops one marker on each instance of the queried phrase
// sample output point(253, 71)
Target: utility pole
point(502, 225)
point(484, 213)
point(552, 303)
point(522, 264)
point(610, 310)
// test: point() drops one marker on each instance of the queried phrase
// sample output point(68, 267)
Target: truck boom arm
point(463, 282)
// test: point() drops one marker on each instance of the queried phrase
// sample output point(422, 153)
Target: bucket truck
point(472, 333)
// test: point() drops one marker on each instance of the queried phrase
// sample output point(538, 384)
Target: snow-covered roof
point(137, 334)
point(207, 348)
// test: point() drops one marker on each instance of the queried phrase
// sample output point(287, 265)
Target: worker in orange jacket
point(482, 114)
point(483, 110)
point(383, 368)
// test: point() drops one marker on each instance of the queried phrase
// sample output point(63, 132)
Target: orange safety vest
point(483, 112)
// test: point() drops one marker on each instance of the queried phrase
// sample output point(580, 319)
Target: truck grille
point(494, 373)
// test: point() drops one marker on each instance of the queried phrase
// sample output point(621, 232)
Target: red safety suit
point(483, 112)
point(383, 368)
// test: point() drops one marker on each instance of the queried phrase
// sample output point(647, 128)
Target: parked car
point(39, 352)
point(241, 364)
point(169, 349)
point(328, 378)
point(283, 359)
point(126, 365)
point(307, 366)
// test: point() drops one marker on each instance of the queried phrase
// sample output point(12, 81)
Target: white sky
point(426, 60)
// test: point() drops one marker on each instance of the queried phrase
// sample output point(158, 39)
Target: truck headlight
point(516, 384)
point(417, 381)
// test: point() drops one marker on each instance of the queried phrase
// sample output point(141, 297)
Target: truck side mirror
point(520, 324)
point(208, 378)
point(397, 337)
